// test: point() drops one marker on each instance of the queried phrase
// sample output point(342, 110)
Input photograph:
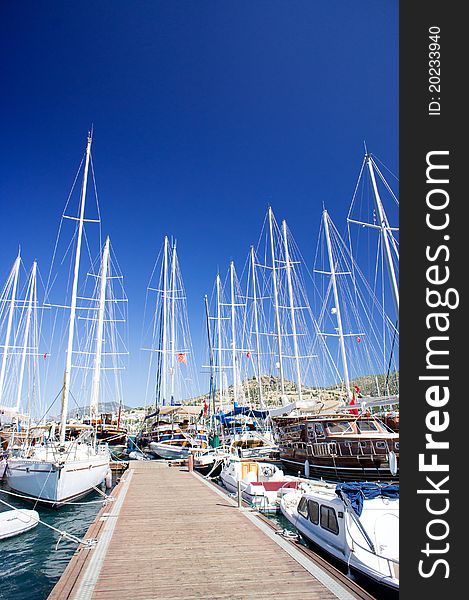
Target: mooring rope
point(63, 534)
point(35, 499)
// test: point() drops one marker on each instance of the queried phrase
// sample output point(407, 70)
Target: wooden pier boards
point(168, 535)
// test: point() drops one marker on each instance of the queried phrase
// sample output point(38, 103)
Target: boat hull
point(170, 451)
point(56, 483)
point(338, 545)
point(351, 470)
point(14, 522)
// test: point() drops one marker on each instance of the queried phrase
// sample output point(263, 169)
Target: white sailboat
point(173, 435)
point(59, 471)
point(18, 314)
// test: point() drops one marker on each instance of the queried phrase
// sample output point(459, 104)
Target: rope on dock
point(63, 534)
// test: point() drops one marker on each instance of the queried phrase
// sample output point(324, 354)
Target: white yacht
point(58, 471)
point(356, 523)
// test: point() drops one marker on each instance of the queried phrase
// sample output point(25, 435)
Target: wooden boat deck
point(170, 534)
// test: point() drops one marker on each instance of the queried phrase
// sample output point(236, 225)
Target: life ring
point(267, 471)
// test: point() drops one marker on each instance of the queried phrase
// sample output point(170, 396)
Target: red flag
point(205, 408)
point(359, 339)
point(182, 357)
point(45, 356)
point(354, 411)
point(248, 354)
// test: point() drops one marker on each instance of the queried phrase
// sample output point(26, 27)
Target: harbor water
point(33, 562)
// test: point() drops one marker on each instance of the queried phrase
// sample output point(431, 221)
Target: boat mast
point(292, 309)
point(276, 306)
point(220, 369)
point(337, 304)
point(31, 301)
point(210, 353)
point(99, 332)
point(14, 274)
point(256, 326)
point(385, 234)
point(233, 334)
point(165, 321)
point(73, 305)
point(173, 323)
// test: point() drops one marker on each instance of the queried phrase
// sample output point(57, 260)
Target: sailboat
point(176, 430)
point(240, 425)
point(355, 444)
point(19, 358)
point(60, 471)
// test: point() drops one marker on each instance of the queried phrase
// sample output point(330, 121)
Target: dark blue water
point(32, 563)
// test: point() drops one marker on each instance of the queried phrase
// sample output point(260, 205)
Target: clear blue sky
point(204, 113)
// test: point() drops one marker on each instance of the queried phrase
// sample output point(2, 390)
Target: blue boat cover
point(242, 410)
point(359, 491)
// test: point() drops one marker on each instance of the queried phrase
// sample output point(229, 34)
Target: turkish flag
point(182, 357)
point(248, 354)
point(354, 411)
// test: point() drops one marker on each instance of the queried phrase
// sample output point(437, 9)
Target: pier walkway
point(171, 534)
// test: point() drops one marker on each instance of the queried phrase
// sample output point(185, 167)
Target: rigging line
point(356, 187)
point(385, 166)
point(53, 402)
point(386, 184)
point(97, 199)
point(390, 358)
point(60, 226)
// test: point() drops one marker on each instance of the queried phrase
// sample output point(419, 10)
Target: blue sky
point(204, 113)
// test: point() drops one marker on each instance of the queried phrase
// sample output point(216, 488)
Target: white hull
point(14, 522)
point(261, 484)
point(343, 546)
point(57, 482)
point(3, 466)
point(169, 451)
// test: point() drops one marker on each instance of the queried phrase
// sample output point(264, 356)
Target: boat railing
point(323, 448)
point(349, 448)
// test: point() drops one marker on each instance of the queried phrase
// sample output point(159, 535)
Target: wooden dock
point(171, 534)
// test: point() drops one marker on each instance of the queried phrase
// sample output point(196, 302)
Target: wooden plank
point(174, 537)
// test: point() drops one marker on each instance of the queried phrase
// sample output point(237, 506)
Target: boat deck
point(171, 534)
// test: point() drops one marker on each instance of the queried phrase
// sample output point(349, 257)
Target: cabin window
point(319, 430)
point(381, 445)
point(313, 511)
point(367, 426)
point(396, 445)
point(302, 507)
point(338, 426)
point(329, 519)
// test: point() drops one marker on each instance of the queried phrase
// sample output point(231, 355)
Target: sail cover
point(359, 491)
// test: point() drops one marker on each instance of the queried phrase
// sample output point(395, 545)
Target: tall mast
point(173, 322)
point(99, 331)
point(164, 385)
point(14, 274)
point(256, 326)
point(276, 306)
point(233, 333)
point(31, 301)
point(210, 353)
point(384, 225)
point(292, 309)
point(337, 303)
point(220, 369)
point(73, 305)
